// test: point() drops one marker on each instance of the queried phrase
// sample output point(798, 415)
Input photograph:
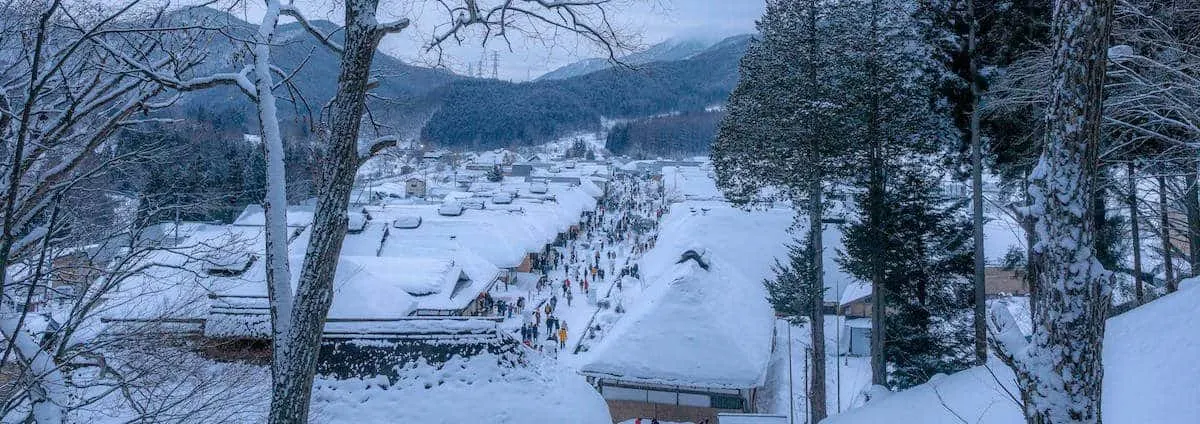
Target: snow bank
point(1150, 375)
point(464, 390)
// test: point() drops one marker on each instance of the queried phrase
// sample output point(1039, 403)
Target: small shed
point(999, 282)
point(415, 187)
point(522, 170)
point(856, 338)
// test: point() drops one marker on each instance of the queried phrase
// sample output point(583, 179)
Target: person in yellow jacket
point(562, 337)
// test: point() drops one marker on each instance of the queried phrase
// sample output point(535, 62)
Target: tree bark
point(1062, 373)
point(1138, 289)
point(875, 196)
point(1191, 205)
point(1165, 223)
point(291, 395)
point(816, 391)
point(977, 199)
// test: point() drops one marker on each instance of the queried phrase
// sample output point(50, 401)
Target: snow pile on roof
point(701, 328)
point(176, 284)
point(464, 390)
point(749, 241)
point(253, 215)
point(1150, 375)
point(690, 182)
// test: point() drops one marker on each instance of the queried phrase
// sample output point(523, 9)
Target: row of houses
point(399, 262)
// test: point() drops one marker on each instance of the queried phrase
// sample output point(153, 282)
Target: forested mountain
point(315, 78)
point(490, 113)
point(677, 135)
point(673, 49)
point(455, 111)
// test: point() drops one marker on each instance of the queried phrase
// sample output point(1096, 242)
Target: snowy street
point(602, 256)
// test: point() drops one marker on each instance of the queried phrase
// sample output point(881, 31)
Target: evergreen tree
point(793, 289)
point(495, 174)
point(927, 266)
point(886, 71)
point(782, 132)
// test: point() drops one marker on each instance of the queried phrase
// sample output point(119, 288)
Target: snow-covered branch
point(325, 39)
point(368, 150)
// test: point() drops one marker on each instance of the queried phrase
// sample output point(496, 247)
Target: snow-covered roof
point(253, 215)
point(482, 388)
point(701, 328)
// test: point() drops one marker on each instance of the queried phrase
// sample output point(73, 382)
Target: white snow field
point(463, 390)
point(1151, 370)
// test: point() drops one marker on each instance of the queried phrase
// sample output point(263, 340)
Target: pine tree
point(886, 71)
point(927, 264)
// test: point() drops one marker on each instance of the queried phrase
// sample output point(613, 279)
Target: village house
point(415, 187)
point(701, 346)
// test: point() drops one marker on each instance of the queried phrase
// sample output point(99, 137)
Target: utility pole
point(791, 389)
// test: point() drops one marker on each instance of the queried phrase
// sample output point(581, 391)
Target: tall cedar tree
point(927, 268)
point(781, 132)
point(885, 71)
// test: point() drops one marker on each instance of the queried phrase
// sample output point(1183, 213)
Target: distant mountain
point(673, 49)
point(460, 112)
point(485, 114)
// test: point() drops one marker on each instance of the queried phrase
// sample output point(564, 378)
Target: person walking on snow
point(562, 337)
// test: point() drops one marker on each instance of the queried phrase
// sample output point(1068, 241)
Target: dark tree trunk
point(980, 310)
point(1138, 290)
point(875, 196)
point(1191, 205)
point(1165, 223)
point(816, 390)
point(816, 387)
point(1031, 257)
point(292, 393)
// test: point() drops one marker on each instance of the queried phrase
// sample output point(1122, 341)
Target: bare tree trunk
point(1073, 286)
point(981, 345)
point(1165, 223)
point(1138, 289)
point(292, 392)
point(1191, 205)
point(816, 212)
point(1032, 260)
point(816, 389)
point(875, 197)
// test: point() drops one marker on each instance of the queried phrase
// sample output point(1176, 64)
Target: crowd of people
point(603, 248)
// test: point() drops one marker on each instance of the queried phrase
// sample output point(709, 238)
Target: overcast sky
point(652, 21)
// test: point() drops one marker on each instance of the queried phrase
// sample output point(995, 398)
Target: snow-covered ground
point(1150, 375)
point(846, 378)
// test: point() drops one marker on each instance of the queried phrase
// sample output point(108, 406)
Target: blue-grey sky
point(649, 21)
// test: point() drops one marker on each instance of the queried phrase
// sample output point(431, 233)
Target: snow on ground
point(1150, 375)
point(462, 390)
point(853, 371)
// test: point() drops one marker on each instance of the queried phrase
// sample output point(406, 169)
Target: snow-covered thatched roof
point(707, 328)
